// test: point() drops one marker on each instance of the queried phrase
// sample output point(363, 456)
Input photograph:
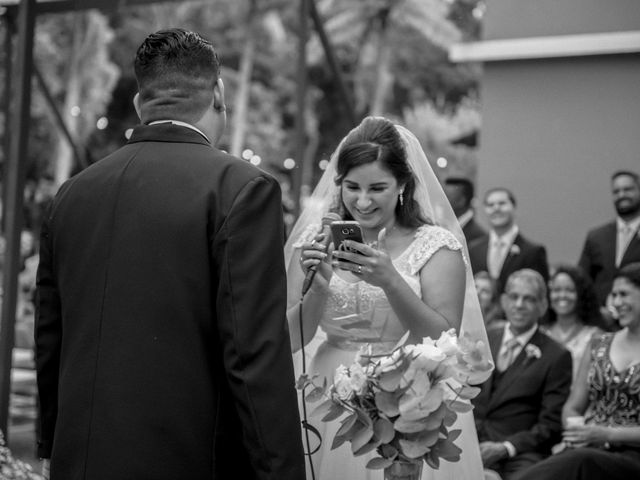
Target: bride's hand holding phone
point(373, 265)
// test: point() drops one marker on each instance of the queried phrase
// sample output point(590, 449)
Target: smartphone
point(345, 230)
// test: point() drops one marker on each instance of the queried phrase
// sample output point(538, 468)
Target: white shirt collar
point(465, 218)
point(634, 224)
point(508, 237)
point(522, 339)
point(182, 124)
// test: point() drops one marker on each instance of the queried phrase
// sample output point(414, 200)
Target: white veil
point(434, 204)
point(435, 207)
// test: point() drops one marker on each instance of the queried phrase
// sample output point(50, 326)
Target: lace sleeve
point(429, 239)
point(307, 235)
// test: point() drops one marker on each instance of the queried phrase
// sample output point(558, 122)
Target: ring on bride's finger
point(313, 243)
point(359, 268)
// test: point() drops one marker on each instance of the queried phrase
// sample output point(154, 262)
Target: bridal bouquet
point(403, 404)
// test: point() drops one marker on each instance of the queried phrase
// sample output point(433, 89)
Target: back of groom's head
point(176, 72)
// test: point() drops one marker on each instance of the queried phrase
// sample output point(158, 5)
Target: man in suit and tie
point(460, 192)
point(161, 333)
point(616, 243)
point(505, 249)
point(518, 411)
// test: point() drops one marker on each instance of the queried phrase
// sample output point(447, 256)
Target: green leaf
point(434, 420)
point(387, 403)
point(368, 447)
point(432, 460)
point(389, 451)
point(338, 440)
point(449, 418)
point(383, 430)
point(390, 381)
point(347, 425)
point(335, 412)
point(361, 438)
point(408, 426)
point(379, 463)
point(315, 395)
point(467, 392)
point(323, 409)
point(460, 407)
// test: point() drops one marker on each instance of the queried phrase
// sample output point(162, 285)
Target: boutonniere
point(532, 351)
point(514, 250)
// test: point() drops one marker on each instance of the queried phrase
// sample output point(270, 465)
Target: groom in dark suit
point(518, 411)
point(162, 343)
point(505, 249)
point(616, 243)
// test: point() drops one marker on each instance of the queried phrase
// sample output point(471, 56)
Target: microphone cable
point(305, 423)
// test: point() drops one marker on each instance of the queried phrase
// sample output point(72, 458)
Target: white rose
point(448, 343)
point(358, 378)
point(342, 383)
point(428, 357)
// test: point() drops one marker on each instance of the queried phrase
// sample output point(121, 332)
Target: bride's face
point(370, 194)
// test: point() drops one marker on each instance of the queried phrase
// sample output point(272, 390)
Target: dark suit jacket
point(472, 231)
point(523, 405)
point(528, 255)
point(598, 257)
point(162, 345)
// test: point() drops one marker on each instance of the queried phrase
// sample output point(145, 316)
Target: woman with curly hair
point(574, 314)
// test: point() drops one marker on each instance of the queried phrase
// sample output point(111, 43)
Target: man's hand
point(492, 452)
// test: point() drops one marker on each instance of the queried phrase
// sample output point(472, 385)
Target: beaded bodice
point(614, 396)
point(357, 312)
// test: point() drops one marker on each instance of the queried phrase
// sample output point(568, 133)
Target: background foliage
point(392, 55)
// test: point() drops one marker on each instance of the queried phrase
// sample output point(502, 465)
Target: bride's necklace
point(390, 233)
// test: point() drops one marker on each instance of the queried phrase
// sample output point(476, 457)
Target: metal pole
point(301, 100)
point(14, 184)
point(6, 101)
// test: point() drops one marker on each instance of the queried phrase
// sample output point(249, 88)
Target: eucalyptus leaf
point(323, 409)
point(387, 403)
point(413, 449)
point(408, 426)
point(383, 430)
point(368, 447)
point(315, 395)
point(460, 407)
point(379, 463)
point(347, 424)
point(361, 438)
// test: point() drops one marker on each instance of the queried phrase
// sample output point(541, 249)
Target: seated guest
point(602, 414)
point(489, 299)
point(574, 313)
point(518, 411)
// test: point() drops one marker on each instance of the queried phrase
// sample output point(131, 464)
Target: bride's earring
point(401, 198)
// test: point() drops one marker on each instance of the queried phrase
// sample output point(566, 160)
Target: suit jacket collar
point(522, 362)
point(515, 249)
point(166, 132)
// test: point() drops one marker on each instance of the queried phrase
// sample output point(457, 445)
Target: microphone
point(326, 240)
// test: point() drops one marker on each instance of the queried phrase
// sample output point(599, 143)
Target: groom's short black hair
point(176, 71)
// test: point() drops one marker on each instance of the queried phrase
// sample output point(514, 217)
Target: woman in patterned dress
point(606, 394)
point(410, 274)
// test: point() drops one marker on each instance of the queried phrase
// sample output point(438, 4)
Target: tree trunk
point(65, 158)
point(383, 78)
point(241, 103)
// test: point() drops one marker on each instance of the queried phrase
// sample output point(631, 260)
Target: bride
point(410, 274)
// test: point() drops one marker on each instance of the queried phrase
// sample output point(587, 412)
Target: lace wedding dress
point(357, 314)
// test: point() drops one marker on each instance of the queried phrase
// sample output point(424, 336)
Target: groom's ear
point(136, 104)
